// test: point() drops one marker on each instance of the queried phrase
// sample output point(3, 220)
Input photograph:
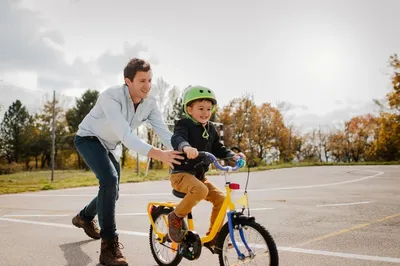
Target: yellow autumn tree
point(361, 135)
point(269, 131)
point(338, 146)
point(388, 142)
point(394, 96)
point(237, 119)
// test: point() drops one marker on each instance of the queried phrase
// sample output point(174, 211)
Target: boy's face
point(200, 111)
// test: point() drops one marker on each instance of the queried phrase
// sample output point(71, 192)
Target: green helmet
point(198, 92)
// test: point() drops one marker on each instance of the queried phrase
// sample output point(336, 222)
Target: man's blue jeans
point(107, 171)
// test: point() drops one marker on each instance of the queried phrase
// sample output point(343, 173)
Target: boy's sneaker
point(90, 227)
point(175, 231)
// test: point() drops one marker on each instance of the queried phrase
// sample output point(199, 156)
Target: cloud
point(112, 63)
point(336, 118)
point(50, 82)
point(28, 45)
point(33, 100)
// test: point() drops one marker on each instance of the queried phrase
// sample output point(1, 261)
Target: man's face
point(141, 84)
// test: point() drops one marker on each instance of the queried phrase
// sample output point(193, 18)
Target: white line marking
point(66, 215)
point(131, 233)
point(321, 185)
point(260, 209)
point(344, 204)
point(66, 226)
point(288, 249)
point(131, 214)
point(36, 215)
point(340, 254)
point(80, 195)
point(170, 193)
point(36, 222)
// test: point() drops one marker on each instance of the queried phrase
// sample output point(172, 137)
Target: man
point(117, 113)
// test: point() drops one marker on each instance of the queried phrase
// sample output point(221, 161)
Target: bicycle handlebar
point(239, 163)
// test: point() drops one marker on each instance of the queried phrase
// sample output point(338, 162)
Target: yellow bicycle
point(235, 244)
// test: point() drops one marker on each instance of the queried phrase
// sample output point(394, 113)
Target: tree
point(13, 128)
point(259, 131)
point(236, 118)
point(394, 96)
point(322, 145)
point(361, 136)
point(44, 123)
point(337, 146)
point(388, 140)
point(269, 132)
point(165, 95)
point(83, 106)
point(309, 150)
point(75, 116)
point(263, 124)
point(388, 136)
point(176, 113)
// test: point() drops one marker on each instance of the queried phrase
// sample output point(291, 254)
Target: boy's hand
point(238, 156)
point(191, 152)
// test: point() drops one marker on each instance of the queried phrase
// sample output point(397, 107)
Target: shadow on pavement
point(74, 254)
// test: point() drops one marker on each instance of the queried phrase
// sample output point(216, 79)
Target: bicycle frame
point(227, 204)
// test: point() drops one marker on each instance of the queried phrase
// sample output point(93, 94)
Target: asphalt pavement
point(330, 215)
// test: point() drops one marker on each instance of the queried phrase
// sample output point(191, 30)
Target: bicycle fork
point(233, 223)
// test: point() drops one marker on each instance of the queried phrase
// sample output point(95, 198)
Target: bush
point(6, 169)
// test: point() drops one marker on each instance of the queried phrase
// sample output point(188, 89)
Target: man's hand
point(168, 157)
point(191, 152)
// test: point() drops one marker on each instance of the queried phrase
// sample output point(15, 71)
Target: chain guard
point(191, 246)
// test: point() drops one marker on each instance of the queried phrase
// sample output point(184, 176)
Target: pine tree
point(12, 131)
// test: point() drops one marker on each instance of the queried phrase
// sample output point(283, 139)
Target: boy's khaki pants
point(196, 190)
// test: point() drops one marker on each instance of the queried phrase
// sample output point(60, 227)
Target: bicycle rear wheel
point(259, 241)
point(165, 254)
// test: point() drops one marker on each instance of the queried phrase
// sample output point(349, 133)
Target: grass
point(40, 180)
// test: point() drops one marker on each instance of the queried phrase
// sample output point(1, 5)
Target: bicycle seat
point(178, 194)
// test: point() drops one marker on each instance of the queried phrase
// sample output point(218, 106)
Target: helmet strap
point(205, 133)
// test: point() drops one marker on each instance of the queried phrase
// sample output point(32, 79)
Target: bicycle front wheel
point(258, 239)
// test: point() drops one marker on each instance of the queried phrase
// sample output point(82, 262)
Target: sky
point(327, 59)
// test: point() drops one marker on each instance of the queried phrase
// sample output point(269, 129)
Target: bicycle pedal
point(212, 250)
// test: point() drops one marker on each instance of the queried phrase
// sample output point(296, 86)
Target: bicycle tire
point(273, 251)
point(178, 258)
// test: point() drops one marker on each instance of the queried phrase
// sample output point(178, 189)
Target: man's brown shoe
point(110, 254)
point(90, 227)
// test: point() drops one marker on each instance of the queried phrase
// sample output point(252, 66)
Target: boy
point(192, 134)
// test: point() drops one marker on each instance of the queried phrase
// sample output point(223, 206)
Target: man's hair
point(135, 65)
